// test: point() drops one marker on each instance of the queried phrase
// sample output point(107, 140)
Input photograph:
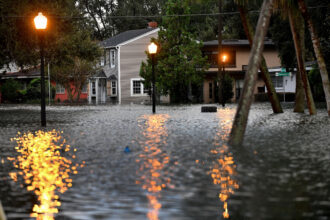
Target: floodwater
point(177, 164)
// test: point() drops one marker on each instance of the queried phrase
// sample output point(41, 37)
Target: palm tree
point(317, 50)
point(297, 30)
point(271, 92)
point(241, 117)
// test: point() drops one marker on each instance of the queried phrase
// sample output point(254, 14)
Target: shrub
point(10, 90)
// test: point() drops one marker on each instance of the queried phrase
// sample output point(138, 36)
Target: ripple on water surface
point(178, 165)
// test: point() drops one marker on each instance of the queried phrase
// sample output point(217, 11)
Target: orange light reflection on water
point(44, 170)
point(153, 160)
point(224, 169)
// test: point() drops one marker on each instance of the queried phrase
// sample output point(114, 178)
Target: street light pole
point(153, 84)
point(152, 51)
point(42, 77)
point(40, 22)
point(224, 59)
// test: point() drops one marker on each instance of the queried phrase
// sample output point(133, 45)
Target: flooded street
point(122, 162)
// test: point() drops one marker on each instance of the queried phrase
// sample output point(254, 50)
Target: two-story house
point(119, 80)
point(238, 52)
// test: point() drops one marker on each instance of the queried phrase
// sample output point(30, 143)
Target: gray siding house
point(119, 81)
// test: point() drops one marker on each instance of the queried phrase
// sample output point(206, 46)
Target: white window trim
point(112, 58)
point(58, 84)
point(84, 87)
point(142, 87)
point(102, 61)
point(113, 95)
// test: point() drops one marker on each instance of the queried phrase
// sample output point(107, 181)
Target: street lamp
point(40, 23)
point(223, 60)
point(152, 51)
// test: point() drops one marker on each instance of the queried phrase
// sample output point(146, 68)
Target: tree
point(10, 90)
point(286, 51)
point(297, 30)
point(271, 92)
point(73, 76)
point(74, 62)
point(19, 42)
point(241, 116)
point(98, 15)
point(179, 61)
point(318, 52)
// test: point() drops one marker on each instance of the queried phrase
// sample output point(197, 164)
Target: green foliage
point(179, 61)
point(33, 90)
point(17, 31)
point(11, 90)
point(283, 41)
point(100, 14)
point(315, 81)
point(74, 73)
point(228, 88)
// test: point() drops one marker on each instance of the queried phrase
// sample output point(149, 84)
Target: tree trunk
point(241, 117)
point(299, 105)
point(220, 73)
point(271, 92)
point(300, 94)
point(297, 30)
point(318, 53)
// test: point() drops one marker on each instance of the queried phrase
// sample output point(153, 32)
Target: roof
point(124, 36)
point(236, 42)
point(27, 73)
point(99, 74)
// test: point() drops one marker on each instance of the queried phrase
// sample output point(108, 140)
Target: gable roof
point(21, 74)
point(125, 36)
point(99, 74)
point(236, 42)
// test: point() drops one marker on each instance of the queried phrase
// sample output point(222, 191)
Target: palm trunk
point(318, 53)
point(299, 105)
point(241, 117)
point(220, 73)
point(297, 27)
point(271, 92)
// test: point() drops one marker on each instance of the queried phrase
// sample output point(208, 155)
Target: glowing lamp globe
point(40, 21)
point(152, 48)
point(224, 58)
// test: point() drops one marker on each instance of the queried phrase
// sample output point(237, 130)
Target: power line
point(153, 16)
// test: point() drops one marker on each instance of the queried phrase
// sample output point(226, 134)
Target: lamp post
point(40, 23)
point(223, 60)
point(152, 51)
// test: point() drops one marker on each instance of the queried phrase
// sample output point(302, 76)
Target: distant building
point(120, 80)
point(24, 77)
point(238, 52)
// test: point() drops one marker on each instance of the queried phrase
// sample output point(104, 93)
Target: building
point(26, 75)
point(238, 52)
point(120, 81)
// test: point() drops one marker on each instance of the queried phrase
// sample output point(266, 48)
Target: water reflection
point(223, 170)
point(44, 170)
point(153, 160)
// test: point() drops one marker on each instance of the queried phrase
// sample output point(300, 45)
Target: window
point(84, 89)
point(113, 88)
point(102, 61)
point(93, 88)
point(210, 90)
point(277, 81)
point(213, 58)
point(60, 89)
point(261, 89)
point(137, 88)
point(112, 58)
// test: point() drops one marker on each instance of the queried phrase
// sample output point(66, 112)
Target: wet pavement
point(177, 164)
